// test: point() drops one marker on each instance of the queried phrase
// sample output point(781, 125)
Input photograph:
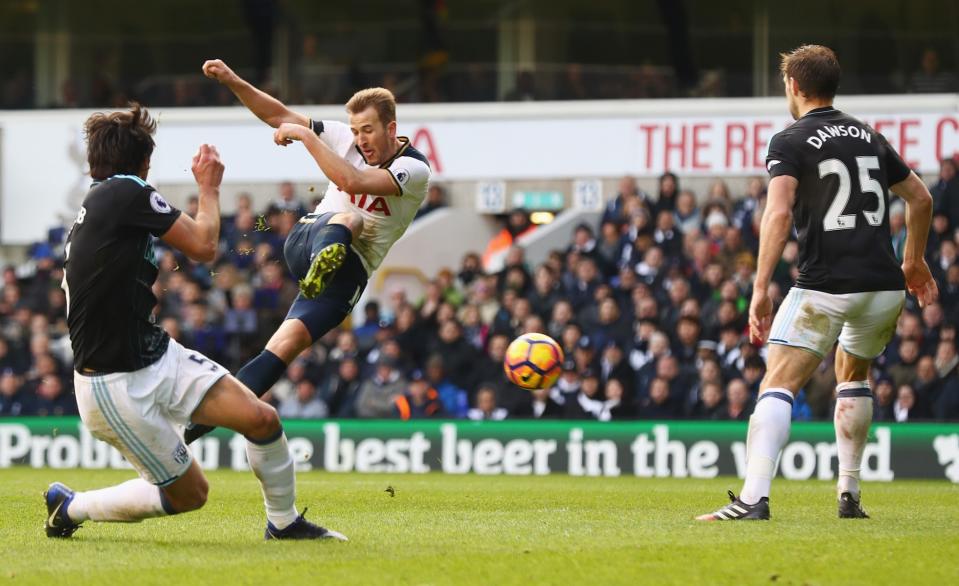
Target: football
point(533, 361)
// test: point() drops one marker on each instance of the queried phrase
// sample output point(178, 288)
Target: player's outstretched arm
point(198, 238)
point(918, 200)
point(773, 232)
point(347, 177)
point(263, 105)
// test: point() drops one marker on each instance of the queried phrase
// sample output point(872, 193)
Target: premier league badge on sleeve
point(402, 176)
point(159, 204)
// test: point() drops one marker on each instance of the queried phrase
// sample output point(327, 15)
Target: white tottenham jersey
point(385, 217)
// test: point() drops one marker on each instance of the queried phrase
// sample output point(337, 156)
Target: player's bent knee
point(266, 425)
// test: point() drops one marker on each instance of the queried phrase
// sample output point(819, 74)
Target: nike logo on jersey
point(772, 164)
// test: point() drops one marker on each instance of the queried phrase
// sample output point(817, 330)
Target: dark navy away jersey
point(109, 274)
point(844, 169)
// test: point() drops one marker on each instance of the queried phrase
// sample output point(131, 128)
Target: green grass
point(493, 530)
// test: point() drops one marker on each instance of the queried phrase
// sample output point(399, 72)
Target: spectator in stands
point(514, 275)
point(287, 200)
point(710, 403)
point(747, 206)
point(686, 216)
point(455, 399)
point(753, 370)
point(668, 190)
point(930, 78)
point(614, 365)
point(583, 286)
point(739, 404)
point(883, 399)
point(304, 404)
point(366, 333)
point(617, 405)
point(897, 227)
point(584, 355)
point(658, 404)
point(628, 194)
point(524, 88)
point(341, 390)
point(937, 382)
point(376, 396)
point(486, 408)
point(458, 356)
point(938, 232)
point(546, 293)
point(945, 192)
point(51, 397)
point(905, 408)
point(517, 225)
point(435, 199)
point(470, 268)
point(192, 205)
point(904, 371)
point(611, 328)
point(420, 401)
point(589, 402)
point(666, 236)
point(544, 407)
point(15, 397)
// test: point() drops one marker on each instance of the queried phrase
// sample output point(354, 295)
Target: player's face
point(375, 140)
point(790, 98)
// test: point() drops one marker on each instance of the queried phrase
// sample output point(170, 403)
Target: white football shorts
point(863, 322)
point(142, 413)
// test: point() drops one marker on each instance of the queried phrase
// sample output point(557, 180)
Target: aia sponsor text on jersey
point(370, 203)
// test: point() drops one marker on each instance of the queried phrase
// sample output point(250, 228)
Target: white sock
point(273, 465)
point(768, 432)
point(129, 502)
point(852, 418)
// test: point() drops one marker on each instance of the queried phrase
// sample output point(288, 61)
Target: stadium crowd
point(650, 307)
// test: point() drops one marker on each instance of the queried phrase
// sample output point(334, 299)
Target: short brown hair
point(118, 143)
point(815, 68)
point(381, 99)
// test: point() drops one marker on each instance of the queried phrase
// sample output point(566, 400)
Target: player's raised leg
point(308, 319)
point(328, 250)
point(229, 404)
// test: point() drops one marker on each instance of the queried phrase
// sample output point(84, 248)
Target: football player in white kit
point(377, 183)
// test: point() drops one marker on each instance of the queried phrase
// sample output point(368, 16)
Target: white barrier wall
point(42, 156)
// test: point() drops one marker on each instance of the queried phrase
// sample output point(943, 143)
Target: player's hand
point(207, 167)
point(920, 283)
point(286, 133)
point(760, 316)
point(220, 71)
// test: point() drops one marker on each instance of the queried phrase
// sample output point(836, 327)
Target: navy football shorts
point(330, 308)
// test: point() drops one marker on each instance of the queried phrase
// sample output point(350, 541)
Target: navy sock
point(331, 234)
point(261, 373)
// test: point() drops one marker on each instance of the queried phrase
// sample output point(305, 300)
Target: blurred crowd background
point(650, 306)
point(99, 53)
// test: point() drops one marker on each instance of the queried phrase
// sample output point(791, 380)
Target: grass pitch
point(493, 530)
